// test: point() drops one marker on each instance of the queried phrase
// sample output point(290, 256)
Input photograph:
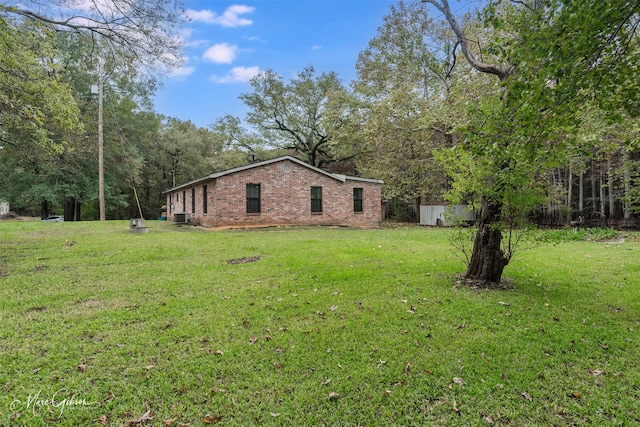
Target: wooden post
point(100, 140)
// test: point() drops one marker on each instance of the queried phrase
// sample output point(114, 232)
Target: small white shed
point(445, 215)
point(4, 208)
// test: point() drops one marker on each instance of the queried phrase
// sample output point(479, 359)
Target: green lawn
point(309, 326)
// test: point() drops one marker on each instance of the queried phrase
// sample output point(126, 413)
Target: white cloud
point(256, 39)
point(221, 53)
point(195, 43)
point(229, 18)
point(181, 72)
point(238, 75)
point(316, 47)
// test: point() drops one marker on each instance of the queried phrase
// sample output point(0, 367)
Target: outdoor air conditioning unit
point(182, 218)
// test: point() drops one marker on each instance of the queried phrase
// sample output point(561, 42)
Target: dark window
point(357, 199)
point(316, 199)
point(253, 198)
point(184, 201)
point(204, 199)
point(170, 203)
point(193, 200)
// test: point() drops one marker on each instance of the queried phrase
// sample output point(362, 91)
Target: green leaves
point(296, 115)
point(33, 97)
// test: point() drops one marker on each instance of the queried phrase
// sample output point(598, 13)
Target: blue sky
point(226, 43)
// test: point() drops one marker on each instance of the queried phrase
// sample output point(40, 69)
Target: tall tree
point(188, 152)
point(550, 57)
point(294, 115)
point(404, 103)
point(38, 106)
point(33, 95)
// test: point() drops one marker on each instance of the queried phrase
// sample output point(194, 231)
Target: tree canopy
point(294, 115)
point(552, 58)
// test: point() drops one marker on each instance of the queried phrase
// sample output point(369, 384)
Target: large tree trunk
point(487, 259)
point(44, 210)
point(71, 209)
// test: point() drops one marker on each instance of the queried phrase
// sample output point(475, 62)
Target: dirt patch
point(245, 260)
point(480, 285)
point(278, 227)
point(89, 303)
point(35, 309)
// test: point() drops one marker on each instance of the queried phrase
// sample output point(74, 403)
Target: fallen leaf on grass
point(526, 396)
point(576, 394)
point(147, 416)
point(82, 367)
point(253, 339)
point(103, 420)
point(489, 420)
point(459, 381)
point(595, 372)
point(274, 415)
point(333, 395)
point(109, 398)
point(148, 367)
point(168, 422)
point(210, 419)
point(218, 353)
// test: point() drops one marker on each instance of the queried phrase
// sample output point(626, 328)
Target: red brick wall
point(285, 199)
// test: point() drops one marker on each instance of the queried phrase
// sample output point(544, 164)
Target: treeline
point(51, 166)
point(420, 115)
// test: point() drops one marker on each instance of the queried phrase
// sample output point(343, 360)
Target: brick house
point(280, 191)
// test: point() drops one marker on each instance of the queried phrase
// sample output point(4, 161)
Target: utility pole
point(100, 139)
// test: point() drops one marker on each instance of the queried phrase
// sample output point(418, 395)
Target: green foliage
point(400, 110)
point(552, 58)
point(577, 234)
point(34, 99)
point(295, 115)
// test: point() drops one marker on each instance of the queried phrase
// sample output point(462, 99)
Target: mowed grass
point(309, 326)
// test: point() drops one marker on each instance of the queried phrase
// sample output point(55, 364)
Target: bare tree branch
point(501, 71)
point(143, 30)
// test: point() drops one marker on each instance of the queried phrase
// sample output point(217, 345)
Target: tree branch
point(501, 71)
